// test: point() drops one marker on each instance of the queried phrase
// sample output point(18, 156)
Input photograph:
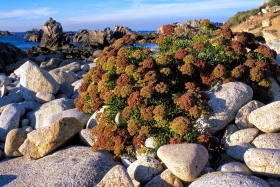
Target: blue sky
point(20, 16)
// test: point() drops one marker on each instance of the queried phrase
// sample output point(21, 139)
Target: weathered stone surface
point(67, 89)
point(12, 98)
point(44, 97)
point(38, 116)
point(14, 140)
point(117, 176)
point(33, 79)
point(144, 169)
point(67, 61)
point(273, 182)
point(242, 136)
point(10, 119)
point(82, 117)
point(274, 90)
point(270, 141)
point(74, 66)
point(73, 75)
point(265, 118)
point(4, 80)
point(77, 84)
point(228, 179)
point(230, 129)
point(50, 64)
point(62, 76)
point(237, 152)
point(185, 161)
point(266, 23)
point(43, 141)
point(30, 105)
point(86, 137)
point(165, 179)
point(235, 167)
point(72, 166)
point(225, 100)
point(241, 120)
point(263, 162)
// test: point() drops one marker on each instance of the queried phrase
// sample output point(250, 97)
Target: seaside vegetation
point(161, 93)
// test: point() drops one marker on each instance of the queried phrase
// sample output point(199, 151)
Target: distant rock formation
point(53, 37)
point(120, 31)
point(35, 35)
point(186, 25)
point(6, 33)
point(94, 38)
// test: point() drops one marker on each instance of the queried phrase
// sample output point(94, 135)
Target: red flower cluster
point(137, 54)
point(200, 64)
point(220, 72)
point(127, 111)
point(96, 104)
point(149, 63)
point(147, 92)
point(123, 80)
point(133, 126)
point(168, 29)
point(187, 69)
point(147, 113)
point(207, 77)
point(160, 111)
point(165, 71)
point(162, 88)
point(151, 77)
point(226, 31)
point(122, 61)
point(187, 101)
point(195, 112)
point(199, 46)
point(180, 55)
point(113, 52)
point(192, 87)
point(239, 72)
point(134, 100)
point(189, 59)
point(181, 125)
point(97, 75)
point(83, 87)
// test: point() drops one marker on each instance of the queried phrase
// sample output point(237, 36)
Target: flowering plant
point(160, 94)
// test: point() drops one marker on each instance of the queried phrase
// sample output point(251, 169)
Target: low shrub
point(160, 93)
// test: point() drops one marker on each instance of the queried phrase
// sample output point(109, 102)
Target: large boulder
point(94, 38)
point(269, 140)
point(71, 166)
point(185, 161)
point(53, 37)
point(61, 76)
point(120, 31)
point(43, 141)
point(225, 100)
point(38, 116)
point(263, 162)
point(35, 35)
point(33, 79)
point(220, 179)
point(266, 118)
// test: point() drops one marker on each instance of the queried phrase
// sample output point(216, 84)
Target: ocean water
point(20, 42)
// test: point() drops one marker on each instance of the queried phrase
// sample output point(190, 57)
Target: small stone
point(117, 176)
point(44, 97)
point(165, 179)
point(144, 169)
point(263, 162)
point(185, 161)
point(237, 152)
point(230, 129)
point(241, 118)
point(87, 138)
point(127, 160)
point(270, 141)
point(24, 122)
point(235, 167)
point(85, 68)
point(243, 136)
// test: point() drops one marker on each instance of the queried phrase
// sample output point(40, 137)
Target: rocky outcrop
point(53, 37)
point(9, 54)
point(93, 38)
point(120, 31)
point(6, 33)
point(35, 35)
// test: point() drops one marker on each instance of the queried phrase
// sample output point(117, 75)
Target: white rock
point(235, 167)
point(44, 97)
point(265, 118)
point(270, 141)
point(237, 152)
point(87, 138)
point(243, 136)
point(225, 100)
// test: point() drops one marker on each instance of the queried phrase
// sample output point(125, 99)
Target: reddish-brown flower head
point(134, 100)
point(181, 125)
point(187, 101)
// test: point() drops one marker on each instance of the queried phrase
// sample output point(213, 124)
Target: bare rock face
point(42, 141)
point(94, 38)
point(117, 176)
point(53, 37)
point(185, 161)
point(120, 31)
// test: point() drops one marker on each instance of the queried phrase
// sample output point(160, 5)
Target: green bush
point(161, 93)
point(240, 17)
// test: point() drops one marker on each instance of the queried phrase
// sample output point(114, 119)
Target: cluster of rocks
point(51, 140)
point(7, 33)
point(35, 35)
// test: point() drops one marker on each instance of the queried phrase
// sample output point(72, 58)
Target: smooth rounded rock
point(265, 118)
point(270, 141)
point(263, 162)
point(185, 161)
point(165, 179)
point(220, 179)
point(241, 118)
point(44, 97)
point(237, 152)
point(127, 160)
point(144, 169)
point(230, 129)
point(87, 138)
point(61, 76)
point(225, 100)
point(242, 136)
point(235, 167)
